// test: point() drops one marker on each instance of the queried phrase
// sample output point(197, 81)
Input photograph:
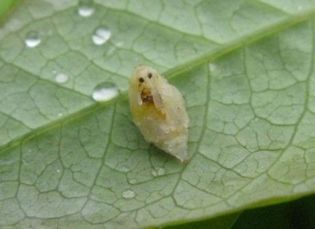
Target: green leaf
point(5, 6)
point(245, 68)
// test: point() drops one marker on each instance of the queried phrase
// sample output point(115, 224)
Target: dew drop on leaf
point(101, 35)
point(124, 169)
point(158, 172)
point(119, 43)
point(128, 194)
point(161, 171)
point(105, 91)
point(212, 67)
point(32, 39)
point(86, 8)
point(61, 78)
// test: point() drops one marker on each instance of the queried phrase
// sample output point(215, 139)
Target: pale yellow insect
point(158, 110)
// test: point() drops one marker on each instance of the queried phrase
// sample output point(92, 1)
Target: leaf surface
point(245, 69)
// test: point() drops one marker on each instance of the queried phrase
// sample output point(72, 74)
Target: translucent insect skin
point(158, 110)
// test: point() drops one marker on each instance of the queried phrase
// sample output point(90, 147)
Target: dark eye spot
point(150, 75)
point(141, 80)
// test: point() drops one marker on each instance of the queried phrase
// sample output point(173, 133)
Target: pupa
point(158, 110)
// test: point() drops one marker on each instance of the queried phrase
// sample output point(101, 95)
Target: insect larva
point(158, 110)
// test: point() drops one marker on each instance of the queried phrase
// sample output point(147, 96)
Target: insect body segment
point(158, 110)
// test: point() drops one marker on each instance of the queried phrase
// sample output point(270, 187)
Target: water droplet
point(212, 67)
point(128, 194)
point(154, 173)
point(101, 35)
point(158, 172)
point(119, 43)
point(86, 8)
point(133, 181)
point(124, 169)
point(32, 39)
point(161, 171)
point(61, 78)
point(58, 170)
point(105, 91)
point(60, 114)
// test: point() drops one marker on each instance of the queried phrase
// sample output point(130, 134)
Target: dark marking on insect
point(146, 96)
point(141, 80)
point(150, 75)
point(147, 99)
